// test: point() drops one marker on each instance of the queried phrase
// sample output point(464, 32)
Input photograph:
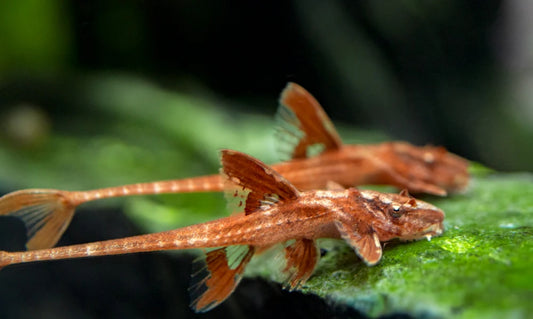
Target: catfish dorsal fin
point(262, 182)
point(302, 118)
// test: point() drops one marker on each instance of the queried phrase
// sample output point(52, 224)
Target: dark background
point(452, 73)
point(449, 73)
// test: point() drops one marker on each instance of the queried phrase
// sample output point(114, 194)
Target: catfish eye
point(395, 212)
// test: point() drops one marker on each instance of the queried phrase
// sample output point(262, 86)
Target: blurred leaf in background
point(35, 37)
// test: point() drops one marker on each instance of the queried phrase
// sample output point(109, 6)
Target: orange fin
point(219, 276)
point(45, 213)
point(254, 183)
point(303, 126)
point(301, 258)
point(365, 243)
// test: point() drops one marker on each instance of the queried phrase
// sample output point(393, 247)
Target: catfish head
point(402, 216)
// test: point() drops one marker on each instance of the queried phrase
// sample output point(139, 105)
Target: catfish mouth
point(426, 224)
point(429, 232)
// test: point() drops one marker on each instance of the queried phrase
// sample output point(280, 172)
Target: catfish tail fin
point(46, 213)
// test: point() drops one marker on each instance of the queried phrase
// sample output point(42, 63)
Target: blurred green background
point(449, 73)
point(101, 93)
